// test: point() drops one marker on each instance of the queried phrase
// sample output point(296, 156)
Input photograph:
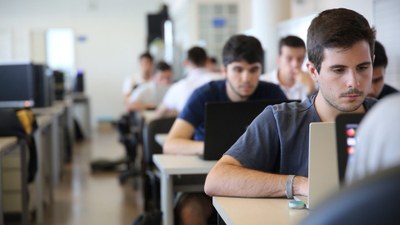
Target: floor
point(85, 197)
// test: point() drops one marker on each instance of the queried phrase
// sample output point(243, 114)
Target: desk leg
point(55, 151)
point(24, 184)
point(39, 178)
point(167, 206)
point(88, 119)
point(1, 190)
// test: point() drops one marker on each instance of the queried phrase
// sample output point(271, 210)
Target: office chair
point(151, 183)
point(129, 128)
point(374, 200)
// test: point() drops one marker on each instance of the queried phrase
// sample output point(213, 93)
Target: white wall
point(115, 34)
point(301, 8)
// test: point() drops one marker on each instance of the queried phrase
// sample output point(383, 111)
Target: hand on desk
point(300, 186)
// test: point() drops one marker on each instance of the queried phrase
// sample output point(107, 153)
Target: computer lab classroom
point(76, 151)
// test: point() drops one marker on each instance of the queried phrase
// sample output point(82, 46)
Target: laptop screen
point(225, 122)
point(346, 131)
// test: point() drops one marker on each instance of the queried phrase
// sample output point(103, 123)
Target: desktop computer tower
point(59, 88)
point(79, 85)
point(43, 94)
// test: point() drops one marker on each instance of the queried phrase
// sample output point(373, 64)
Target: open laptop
point(346, 129)
point(225, 122)
point(323, 178)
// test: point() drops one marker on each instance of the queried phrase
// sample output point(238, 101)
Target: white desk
point(255, 211)
point(171, 165)
point(8, 144)
point(149, 115)
point(160, 138)
point(43, 180)
point(57, 138)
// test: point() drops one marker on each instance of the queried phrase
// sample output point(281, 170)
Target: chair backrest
point(150, 145)
point(374, 200)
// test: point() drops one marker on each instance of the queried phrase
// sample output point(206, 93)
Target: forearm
point(139, 106)
point(183, 146)
point(237, 181)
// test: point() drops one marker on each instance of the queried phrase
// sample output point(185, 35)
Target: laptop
point(346, 129)
point(323, 178)
point(225, 122)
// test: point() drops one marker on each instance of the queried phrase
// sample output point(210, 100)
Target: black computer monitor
point(59, 84)
point(43, 86)
point(16, 85)
point(346, 129)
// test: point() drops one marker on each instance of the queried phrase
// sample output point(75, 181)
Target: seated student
point(130, 83)
point(150, 94)
point(295, 83)
point(377, 141)
point(271, 158)
point(242, 60)
point(378, 88)
point(179, 93)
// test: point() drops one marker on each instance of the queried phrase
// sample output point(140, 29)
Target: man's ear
point(312, 71)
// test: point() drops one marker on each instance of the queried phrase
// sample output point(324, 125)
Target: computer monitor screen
point(16, 85)
point(346, 131)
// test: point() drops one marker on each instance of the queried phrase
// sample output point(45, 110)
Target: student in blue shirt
point(242, 66)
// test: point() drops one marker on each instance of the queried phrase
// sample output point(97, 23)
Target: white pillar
point(266, 14)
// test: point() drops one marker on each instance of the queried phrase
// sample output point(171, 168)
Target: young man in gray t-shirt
point(271, 158)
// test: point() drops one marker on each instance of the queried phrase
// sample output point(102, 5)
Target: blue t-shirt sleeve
point(279, 93)
point(259, 147)
point(193, 112)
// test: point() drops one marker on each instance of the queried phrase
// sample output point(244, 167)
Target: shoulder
point(210, 87)
point(294, 108)
point(387, 90)
point(270, 90)
point(369, 102)
point(268, 85)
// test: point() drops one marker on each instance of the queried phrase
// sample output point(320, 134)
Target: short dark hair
point(380, 55)
point(242, 47)
point(198, 56)
point(337, 28)
point(291, 41)
point(146, 55)
point(162, 66)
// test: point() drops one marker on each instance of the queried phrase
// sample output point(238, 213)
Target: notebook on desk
point(323, 178)
point(346, 129)
point(225, 122)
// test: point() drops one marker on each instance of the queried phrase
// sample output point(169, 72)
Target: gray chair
point(151, 185)
point(374, 200)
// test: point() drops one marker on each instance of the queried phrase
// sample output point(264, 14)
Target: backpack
point(22, 124)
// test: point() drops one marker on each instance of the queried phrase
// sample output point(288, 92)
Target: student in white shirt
point(197, 75)
point(150, 94)
point(294, 82)
point(130, 83)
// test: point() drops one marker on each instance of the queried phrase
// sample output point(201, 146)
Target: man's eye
point(362, 68)
point(254, 70)
point(338, 70)
point(237, 69)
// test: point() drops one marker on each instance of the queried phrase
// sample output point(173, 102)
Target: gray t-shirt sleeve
point(259, 147)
